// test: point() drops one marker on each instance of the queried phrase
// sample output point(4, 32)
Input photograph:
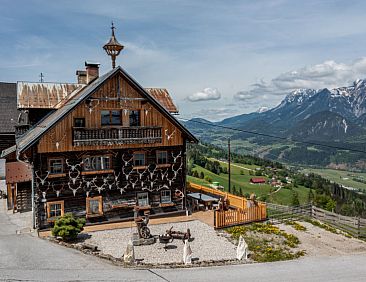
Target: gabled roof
point(41, 95)
point(8, 151)
point(162, 95)
point(8, 107)
point(34, 134)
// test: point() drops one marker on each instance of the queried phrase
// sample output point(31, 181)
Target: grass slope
point(283, 197)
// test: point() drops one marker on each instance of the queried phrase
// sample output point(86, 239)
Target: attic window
point(111, 117)
point(135, 118)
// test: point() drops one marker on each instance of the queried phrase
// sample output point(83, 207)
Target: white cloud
point(205, 95)
point(328, 74)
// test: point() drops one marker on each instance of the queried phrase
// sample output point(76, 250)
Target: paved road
point(27, 258)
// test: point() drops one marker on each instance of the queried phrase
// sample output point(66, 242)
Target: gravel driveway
point(207, 244)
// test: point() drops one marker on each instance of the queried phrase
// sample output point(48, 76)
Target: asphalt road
point(27, 258)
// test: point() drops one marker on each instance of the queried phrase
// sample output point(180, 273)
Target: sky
point(217, 58)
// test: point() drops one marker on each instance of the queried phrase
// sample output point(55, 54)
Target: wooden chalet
point(101, 148)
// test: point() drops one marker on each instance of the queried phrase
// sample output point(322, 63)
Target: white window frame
point(141, 202)
point(164, 197)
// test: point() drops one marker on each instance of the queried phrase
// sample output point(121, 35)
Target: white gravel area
point(319, 242)
point(207, 245)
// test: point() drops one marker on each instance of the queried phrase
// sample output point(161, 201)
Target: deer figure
point(44, 192)
point(73, 179)
point(176, 157)
point(163, 175)
point(162, 187)
point(90, 182)
point(90, 106)
point(122, 189)
point(141, 174)
point(127, 175)
point(74, 190)
point(126, 161)
point(100, 188)
point(134, 183)
point(42, 180)
point(88, 185)
point(152, 183)
point(73, 167)
point(176, 171)
point(58, 191)
point(147, 110)
point(169, 136)
point(151, 172)
point(171, 181)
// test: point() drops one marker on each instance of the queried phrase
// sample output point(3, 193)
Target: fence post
point(215, 219)
point(358, 227)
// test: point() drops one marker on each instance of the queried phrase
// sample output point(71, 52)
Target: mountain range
point(335, 117)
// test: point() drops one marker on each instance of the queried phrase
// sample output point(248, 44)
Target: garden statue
point(242, 249)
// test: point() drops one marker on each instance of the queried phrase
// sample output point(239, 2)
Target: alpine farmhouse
point(102, 148)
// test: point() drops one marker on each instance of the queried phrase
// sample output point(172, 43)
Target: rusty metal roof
point(18, 172)
point(163, 97)
point(41, 95)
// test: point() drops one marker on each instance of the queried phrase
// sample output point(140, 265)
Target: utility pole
point(229, 164)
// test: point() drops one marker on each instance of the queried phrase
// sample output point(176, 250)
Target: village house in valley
point(100, 148)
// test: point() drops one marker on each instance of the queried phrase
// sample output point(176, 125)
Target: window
point(162, 157)
point(97, 163)
point(94, 206)
point(55, 209)
point(134, 118)
point(142, 199)
point(139, 159)
point(166, 196)
point(79, 122)
point(111, 117)
point(56, 165)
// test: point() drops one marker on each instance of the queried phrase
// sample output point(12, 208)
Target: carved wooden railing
point(116, 136)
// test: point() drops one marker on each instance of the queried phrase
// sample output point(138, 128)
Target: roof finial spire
point(112, 28)
point(113, 47)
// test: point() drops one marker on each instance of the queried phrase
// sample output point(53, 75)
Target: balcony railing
point(116, 136)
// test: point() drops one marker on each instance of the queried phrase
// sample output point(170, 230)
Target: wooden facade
point(115, 151)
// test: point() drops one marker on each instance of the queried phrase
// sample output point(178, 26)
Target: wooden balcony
point(116, 136)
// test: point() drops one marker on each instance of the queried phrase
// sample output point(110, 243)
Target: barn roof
point(31, 136)
point(8, 107)
point(162, 95)
point(41, 95)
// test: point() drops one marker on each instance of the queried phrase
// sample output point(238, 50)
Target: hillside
point(206, 164)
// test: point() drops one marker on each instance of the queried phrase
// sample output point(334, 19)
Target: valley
point(314, 128)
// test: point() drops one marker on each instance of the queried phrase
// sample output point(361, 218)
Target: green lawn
point(284, 196)
point(340, 176)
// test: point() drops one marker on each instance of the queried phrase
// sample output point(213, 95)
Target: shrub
point(68, 227)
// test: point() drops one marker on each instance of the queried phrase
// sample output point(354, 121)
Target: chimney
point(81, 75)
point(92, 71)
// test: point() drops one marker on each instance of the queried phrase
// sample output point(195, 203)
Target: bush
point(68, 227)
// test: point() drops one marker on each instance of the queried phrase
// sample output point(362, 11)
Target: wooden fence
point(355, 226)
point(240, 216)
point(234, 201)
